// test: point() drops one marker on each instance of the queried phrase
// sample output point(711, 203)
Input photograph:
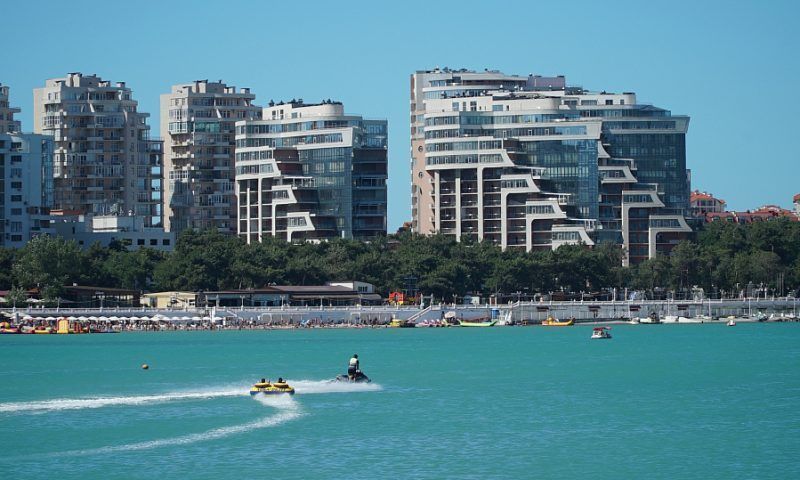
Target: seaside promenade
point(521, 312)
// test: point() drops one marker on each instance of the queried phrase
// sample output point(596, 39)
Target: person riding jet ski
point(353, 367)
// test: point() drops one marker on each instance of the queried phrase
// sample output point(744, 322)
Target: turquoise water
point(665, 401)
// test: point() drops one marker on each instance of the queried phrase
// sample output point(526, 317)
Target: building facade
point(130, 231)
point(26, 187)
point(311, 172)
point(7, 122)
point(197, 124)
point(101, 159)
point(530, 162)
point(702, 203)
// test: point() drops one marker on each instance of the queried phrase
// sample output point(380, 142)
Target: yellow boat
point(268, 388)
point(554, 322)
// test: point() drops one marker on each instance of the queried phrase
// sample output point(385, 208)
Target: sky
point(731, 66)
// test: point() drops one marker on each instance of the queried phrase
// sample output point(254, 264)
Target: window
point(140, 241)
point(153, 242)
point(609, 102)
point(165, 241)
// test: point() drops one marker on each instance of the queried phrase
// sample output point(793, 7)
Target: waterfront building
point(702, 203)
point(7, 122)
point(103, 153)
point(530, 162)
point(197, 124)
point(26, 187)
point(311, 172)
point(129, 230)
point(760, 214)
point(330, 294)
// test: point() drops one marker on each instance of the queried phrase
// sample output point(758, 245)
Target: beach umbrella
point(50, 319)
point(27, 318)
point(114, 318)
point(102, 319)
point(197, 319)
point(135, 318)
point(186, 317)
point(82, 318)
point(92, 318)
point(71, 318)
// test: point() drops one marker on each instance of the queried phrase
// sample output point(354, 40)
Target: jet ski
point(268, 388)
point(359, 377)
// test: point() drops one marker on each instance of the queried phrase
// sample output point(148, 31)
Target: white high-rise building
point(7, 122)
point(103, 153)
point(197, 124)
point(311, 172)
point(529, 162)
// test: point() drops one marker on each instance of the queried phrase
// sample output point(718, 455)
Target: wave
point(306, 387)
point(289, 411)
point(302, 387)
point(99, 402)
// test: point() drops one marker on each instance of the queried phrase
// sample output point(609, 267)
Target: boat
point(484, 323)
point(359, 377)
point(267, 388)
point(398, 323)
point(651, 319)
point(8, 329)
point(731, 323)
point(601, 333)
point(554, 322)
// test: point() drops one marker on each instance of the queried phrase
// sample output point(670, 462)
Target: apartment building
point(102, 159)
point(7, 122)
point(26, 187)
point(531, 162)
point(198, 126)
point(311, 172)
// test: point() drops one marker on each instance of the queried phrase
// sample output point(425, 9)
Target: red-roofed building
point(703, 203)
point(761, 214)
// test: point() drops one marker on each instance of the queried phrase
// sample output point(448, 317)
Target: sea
point(656, 401)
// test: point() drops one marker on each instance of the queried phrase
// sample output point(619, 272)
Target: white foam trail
point(290, 411)
point(99, 402)
point(305, 387)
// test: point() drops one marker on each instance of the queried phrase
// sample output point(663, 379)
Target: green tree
point(48, 262)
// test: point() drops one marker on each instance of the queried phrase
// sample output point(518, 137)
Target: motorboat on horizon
point(599, 333)
point(554, 322)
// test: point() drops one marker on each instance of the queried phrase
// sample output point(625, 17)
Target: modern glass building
point(530, 162)
point(310, 172)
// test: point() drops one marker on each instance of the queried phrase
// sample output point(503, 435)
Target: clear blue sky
point(732, 66)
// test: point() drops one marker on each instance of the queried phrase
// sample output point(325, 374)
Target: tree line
point(722, 257)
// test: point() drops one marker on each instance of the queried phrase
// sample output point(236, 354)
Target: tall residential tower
point(311, 172)
point(530, 162)
point(102, 160)
point(197, 124)
point(7, 122)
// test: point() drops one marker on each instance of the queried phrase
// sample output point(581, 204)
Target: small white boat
point(601, 333)
point(731, 323)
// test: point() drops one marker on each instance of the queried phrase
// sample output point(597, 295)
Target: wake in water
point(99, 402)
point(305, 387)
point(289, 410)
